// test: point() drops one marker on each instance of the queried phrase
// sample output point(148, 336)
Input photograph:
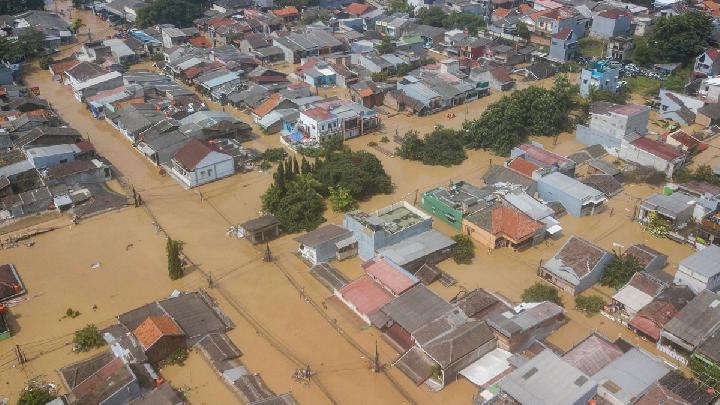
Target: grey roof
point(672, 204)
point(571, 186)
point(605, 183)
point(194, 315)
point(416, 247)
point(416, 307)
point(323, 234)
point(218, 347)
point(603, 167)
point(548, 380)
point(631, 374)
point(328, 276)
point(260, 223)
point(704, 262)
point(501, 174)
point(698, 319)
point(509, 323)
point(457, 341)
point(416, 365)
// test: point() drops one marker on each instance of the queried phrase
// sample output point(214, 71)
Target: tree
point(464, 249)
point(45, 62)
point(299, 207)
point(620, 97)
point(76, 24)
point(87, 338)
point(433, 16)
point(173, 249)
point(540, 292)
point(305, 166)
point(274, 154)
point(522, 30)
point(399, 6)
point(341, 200)
point(681, 37)
point(443, 146)
point(359, 172)
point(657, 226)
point(590, 304)
point(509, 121)
point(461, 20)
point(619, 271)
point(386, 45)
point(36, 394)
point(178, 12)
point(32, 43)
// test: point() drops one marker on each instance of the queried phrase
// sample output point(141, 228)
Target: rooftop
point(416, 308)
point(390, 275)
point(154, 328)
point(391, 219)
point(573, 187)
point(509, 323)
point(323, 234)
point(547, 380)
point(592, 354)
point(697, 320)
point(631, 374)
point(704, 262)
point(658, 149)
point(10, 283)
point(576, 259)
point(365, 295)
point(416, 247)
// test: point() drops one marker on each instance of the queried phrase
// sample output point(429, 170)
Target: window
point(209, 172)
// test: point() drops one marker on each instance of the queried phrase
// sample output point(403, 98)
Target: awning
point(554, 229)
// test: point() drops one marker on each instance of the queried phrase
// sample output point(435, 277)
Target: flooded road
point(277, 329)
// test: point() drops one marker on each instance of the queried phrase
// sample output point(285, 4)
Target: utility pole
point(376, 360)
point(268, 256)
point(20, 355)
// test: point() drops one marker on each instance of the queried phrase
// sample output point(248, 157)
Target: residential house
point(159, 337)
point(428, 248)
point(679, 107)
point(389, 275)
point(601, 76)
point(335, 117)
point(576, 266)
point(200, 162)
point(504, 225)
point(619, 48)
point(501, 174)
point(321, 245)
point(577, 198)
point(640, 291)
point(681, 140)
point(700, 271)
point(676, 208)
point(648, 258)
point(289, 14)
point(611, 23)
point(450, 204)
point(708, 115)
point(411, 311)
point(103, 378)
point(691, 326)
point(709, 90)
point(595, 352)
point(675, 388)
point(43, 157)
point(497, 78)
point(367, 93)
point(707, 64)
point(549, 161)
point(92, 86)
point(364, 296)
point(262, 229)
point(320, 74)
point(82, 72)
point(517, 329)
point(620, 129)
point(563, 46)
point(548, 380)
point(650, 320)
point(394, 26)
point(11, 286)
point(385, 227)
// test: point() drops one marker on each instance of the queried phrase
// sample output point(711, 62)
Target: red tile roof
point(658, 149)
point(200, 42)
point(365, 295)
point(543, 155)
point(684, 139)
point(59, 68)
point(266, 106)
point(523, 166)
point(513, 223)
point(85, 146)
point(390, 275)
point(501, 12)
point(713, 53)
point(501, 74)
point(192, 153)
point(524, 8)
point(155, 327)
point(358, 9)
point(286, 12)
point(563, 34)
point(317, 113)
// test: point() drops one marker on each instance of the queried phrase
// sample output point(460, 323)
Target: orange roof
point(358, 8)
point(711, 5)
point(366, 92)
point(59, 68)
point(286, 12)
point(501, 12)
point(523, 166)
point(513, 223)
point(38, 113)
point(200, 42)
point(524, 8)
point(155, 327)
point(267, 105)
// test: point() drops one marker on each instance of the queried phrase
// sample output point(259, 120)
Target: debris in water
point(95, 265)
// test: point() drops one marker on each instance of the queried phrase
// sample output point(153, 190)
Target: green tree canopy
point(299, 207)
point(341, 200)
point(173, 249)
point(464, 249)
point(87, 338)
point(441, 147)
point(675, 39)
point(619, 271)
point(36, 394)
point(590, 304)
point(359, 172)
point(540, 292)
point(178, 12)
point(532, 111)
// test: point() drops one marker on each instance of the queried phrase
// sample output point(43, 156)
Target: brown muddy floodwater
point(277, 330)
